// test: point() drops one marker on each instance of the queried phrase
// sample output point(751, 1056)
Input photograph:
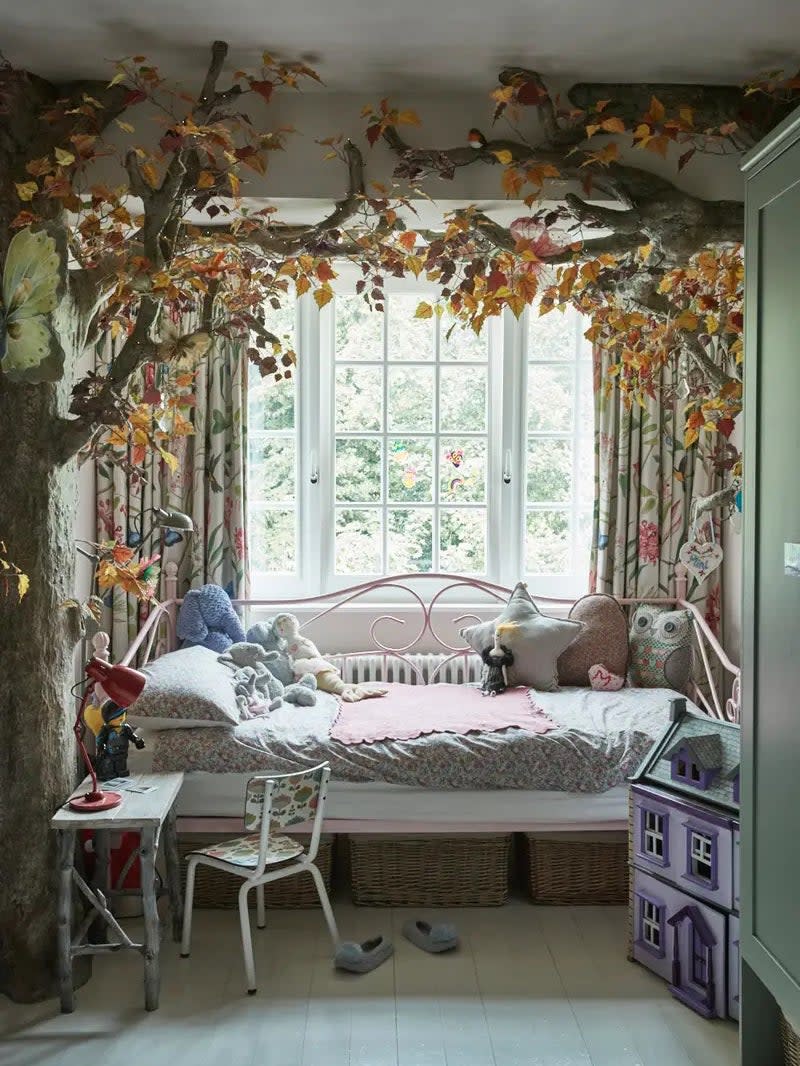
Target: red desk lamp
point(123, 685)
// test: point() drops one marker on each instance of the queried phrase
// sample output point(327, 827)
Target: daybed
point(570, 778)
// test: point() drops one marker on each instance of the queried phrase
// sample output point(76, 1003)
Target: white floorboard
point(529, 986)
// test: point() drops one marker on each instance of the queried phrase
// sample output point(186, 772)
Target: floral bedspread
point(599, 741)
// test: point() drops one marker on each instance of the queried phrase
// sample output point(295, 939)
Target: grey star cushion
point(535, 640)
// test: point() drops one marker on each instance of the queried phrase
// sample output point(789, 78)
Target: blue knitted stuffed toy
point(207, 618)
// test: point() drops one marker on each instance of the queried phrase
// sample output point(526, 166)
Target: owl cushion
point(603, 641)
point(535, 640)
point(661, 648)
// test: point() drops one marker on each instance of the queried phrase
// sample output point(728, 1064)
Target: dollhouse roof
point(704, 750)
point(715, 743)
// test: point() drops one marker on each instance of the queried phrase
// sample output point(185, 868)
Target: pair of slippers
point(361, 958)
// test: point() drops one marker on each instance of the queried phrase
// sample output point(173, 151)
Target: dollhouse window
point(681, 771)
point(654, 835)
point(699, 960)
point(695, 772)
point(651, 924)
point(701, 850)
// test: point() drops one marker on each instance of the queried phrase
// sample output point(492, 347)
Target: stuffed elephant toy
point(253, 679)
point(280, 664)
point(207, 618)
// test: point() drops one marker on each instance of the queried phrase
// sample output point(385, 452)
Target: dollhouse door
point(770, 780)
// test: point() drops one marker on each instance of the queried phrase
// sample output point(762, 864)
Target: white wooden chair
point(272, 801)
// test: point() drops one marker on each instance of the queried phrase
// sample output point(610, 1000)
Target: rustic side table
point(145, 812)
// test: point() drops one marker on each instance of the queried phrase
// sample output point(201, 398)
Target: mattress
point(220, 796)
point(599, 740)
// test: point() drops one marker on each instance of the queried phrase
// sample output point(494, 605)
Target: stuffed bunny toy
point(207, 618)
point(306, 659)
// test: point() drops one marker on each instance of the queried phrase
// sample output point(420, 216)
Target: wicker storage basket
point(429, 871)
point(578, 868)
point(791, 1043)
point(219, 890)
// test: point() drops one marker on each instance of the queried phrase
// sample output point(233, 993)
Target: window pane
point(586, 403)
point(270, 403)
point(463, 343)
point(549, 471)
point(411, 394)
point(410, 539)
point(410, 470)
point(359, 398)
point(462, 399)
point(272, 541)
point(554, 335)
point(359, 330)
point(409, 337)
point(547, 542)
point(358, 541)
point(271, 468)
point(462, 469)
point(358, 471)
point(462, 541)
point(550, 398)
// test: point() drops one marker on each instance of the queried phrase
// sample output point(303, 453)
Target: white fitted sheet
point(221, 795)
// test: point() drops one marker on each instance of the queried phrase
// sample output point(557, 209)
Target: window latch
point(507, 468)
point(314, 476)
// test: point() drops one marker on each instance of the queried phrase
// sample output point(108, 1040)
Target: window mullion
point(507, 439)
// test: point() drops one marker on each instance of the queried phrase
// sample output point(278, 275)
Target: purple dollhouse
point(685, 858)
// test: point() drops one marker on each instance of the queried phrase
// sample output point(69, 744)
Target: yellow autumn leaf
point(26, 190)
point(206, 180)
point(302, 285)
point(150, 174)
point(126, 127)
point(323, 295)
point(424, 310)
point(712, 323)
point(657, 110)
point(409, 118)
point(118, 77)
point(63, 157)
point(613, 125)
point(170, 459)
point(234, 183)
point(23, 584)
point(686, 320)
point(502, 155)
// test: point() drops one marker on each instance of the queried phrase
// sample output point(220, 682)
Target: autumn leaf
point(408, 118)
point(373, 132)
point(323, 295)
point(263, 88)
point(424, 310)
point(325, 271)
point(408, 240)
point(150, 174)
point(686, 320)
point(613, 125)
point(502, 155)
point(26, 190)
point(63, 157)
point(657, 111)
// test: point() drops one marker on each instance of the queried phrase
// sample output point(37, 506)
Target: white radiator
point(458, 671)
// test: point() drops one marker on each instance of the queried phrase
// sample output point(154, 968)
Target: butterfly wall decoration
point(33, 280)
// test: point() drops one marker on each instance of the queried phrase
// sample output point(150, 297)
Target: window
point(651, 932)
point(654, 835)
point(701, 849)
point(409, 444)
point(695, 772)
point(681, 768)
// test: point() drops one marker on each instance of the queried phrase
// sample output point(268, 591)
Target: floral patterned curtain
point(645, 483)
point(209, 484)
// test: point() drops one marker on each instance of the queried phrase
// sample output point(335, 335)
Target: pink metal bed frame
point(158, 634)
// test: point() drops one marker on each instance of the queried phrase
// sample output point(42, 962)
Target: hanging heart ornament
point(700, 558)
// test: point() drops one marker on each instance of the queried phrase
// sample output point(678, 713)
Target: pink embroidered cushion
point(603, 641)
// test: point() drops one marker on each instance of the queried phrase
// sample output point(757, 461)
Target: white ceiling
point(425, 45)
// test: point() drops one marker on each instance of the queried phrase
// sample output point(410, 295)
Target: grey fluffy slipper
point(433, 938)
point(361, 958)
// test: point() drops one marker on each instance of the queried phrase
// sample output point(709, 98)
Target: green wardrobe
point(770, 780)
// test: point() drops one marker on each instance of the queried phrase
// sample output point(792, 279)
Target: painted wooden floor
point(530, 986)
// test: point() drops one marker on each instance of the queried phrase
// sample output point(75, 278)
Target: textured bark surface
point(37, 637)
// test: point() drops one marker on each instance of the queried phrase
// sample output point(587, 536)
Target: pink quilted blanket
point(409, 711)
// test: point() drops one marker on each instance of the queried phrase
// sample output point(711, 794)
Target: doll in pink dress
point(306, 659)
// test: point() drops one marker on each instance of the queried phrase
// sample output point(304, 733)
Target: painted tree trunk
point(37, 764)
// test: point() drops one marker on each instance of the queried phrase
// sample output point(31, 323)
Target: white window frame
point(651, 924)
point(701, 850)
point(507, 438)
point(652, 835)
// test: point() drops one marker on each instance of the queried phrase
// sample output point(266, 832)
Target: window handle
point(507, 468)
point(314, 476)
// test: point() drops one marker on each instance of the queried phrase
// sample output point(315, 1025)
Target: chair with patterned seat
point(272, 802)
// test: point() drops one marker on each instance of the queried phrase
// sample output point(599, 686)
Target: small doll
point(494, 676)
point(113, 740)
